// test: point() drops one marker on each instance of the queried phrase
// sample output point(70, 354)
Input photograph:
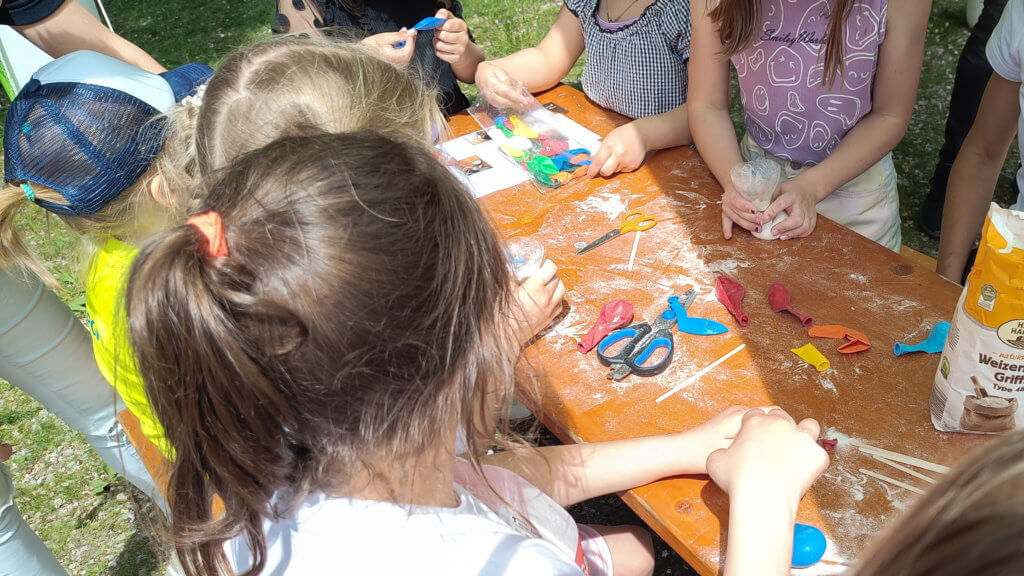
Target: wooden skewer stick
point(901, 458)
point(636, 242)
point(878, 476)
point(697, 376)
point(901, 468)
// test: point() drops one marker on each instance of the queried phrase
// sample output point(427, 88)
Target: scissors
point(643, 340)
point(635, 221)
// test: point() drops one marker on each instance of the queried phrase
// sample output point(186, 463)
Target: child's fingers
point(443, 13)
point(611, 166)
point(737, 218)
point(547, 272)
point(459, 38)
point(726, 226)
point(453, 26)
point(778, 205)
point(788, 227)
point(811, 427)
point(597, 161)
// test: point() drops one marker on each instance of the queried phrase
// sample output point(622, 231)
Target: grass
point(91, 520)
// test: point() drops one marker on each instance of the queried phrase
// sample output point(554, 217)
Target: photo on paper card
point(473, 165)
point(478, 137)
point(555, 108)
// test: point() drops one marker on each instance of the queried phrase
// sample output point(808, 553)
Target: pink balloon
point(614, 315)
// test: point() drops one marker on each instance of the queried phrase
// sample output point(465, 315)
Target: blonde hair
point(283, 87)
point(972, 522)
point(295, 86)
point(132, 213)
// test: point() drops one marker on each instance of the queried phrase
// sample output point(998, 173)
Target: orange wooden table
point(834, 275)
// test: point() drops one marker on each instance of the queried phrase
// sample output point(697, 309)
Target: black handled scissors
point(643, 340)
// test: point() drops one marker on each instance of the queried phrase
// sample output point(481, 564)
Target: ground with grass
point(92, 521)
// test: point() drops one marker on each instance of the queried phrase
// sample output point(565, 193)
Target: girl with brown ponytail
point(320, 330)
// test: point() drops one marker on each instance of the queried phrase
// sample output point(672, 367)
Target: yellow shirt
point(105, 303)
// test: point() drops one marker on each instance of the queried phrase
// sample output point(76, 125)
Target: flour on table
point(611, 205)
point(567, 329)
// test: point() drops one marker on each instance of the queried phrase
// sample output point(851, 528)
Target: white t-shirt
point(348, 536)
point(1005, 53)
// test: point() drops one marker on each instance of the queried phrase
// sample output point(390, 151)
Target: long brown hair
point(972, 522)
point(360, 313)
point(739, 23)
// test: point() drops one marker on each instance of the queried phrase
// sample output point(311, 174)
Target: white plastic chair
point(19, 58)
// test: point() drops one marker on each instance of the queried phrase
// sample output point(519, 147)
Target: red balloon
point(614, 315)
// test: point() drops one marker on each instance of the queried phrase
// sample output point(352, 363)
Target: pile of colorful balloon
point(547, 157)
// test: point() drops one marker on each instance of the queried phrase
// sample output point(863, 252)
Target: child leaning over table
point(637, 53)
point(321, 330)
point(827, 88)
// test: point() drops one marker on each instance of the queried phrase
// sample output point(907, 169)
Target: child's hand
point(384, 43)
point(772, 454)
point(800, 201)
point(500, 89)
point(451, 39)
point(623, 150)
point(715, 434)
point(737, 210)
point(539, 300)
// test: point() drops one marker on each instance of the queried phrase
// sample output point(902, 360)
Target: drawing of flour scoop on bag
point(985, 413)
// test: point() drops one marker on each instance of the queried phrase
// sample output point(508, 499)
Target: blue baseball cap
point(88, 126)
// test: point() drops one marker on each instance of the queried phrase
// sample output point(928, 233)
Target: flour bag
point(979, 386)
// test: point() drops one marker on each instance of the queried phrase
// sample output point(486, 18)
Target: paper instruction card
point(480, 164)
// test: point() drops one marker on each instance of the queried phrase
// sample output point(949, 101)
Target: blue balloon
point(808, 546)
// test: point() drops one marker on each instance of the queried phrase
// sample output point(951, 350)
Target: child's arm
point(874, 136)
point(71, 27)
point(708, 108)
point(624, 148)
point(538, 68)
point(766, 471)
point(975, 172)
point(573, 473)
point(453, 45)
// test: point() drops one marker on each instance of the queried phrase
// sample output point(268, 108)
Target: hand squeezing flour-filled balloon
point(756, 181)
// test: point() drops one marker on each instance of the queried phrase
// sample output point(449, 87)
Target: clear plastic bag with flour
point(756, 181)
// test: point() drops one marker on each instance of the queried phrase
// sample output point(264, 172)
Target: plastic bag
point(979, 386)
point(756, 181)
point(531, 137)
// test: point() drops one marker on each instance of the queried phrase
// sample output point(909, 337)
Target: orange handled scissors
point(635, 221)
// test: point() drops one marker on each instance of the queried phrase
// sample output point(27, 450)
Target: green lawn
point(90, 520)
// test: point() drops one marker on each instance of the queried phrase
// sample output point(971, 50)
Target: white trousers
point(46, 352)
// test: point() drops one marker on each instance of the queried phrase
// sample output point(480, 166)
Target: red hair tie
point(211, 226)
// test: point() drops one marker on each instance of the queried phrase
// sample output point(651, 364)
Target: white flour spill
point(611, 205)
point(728, 267)
point(826, 381)
point(569, 327)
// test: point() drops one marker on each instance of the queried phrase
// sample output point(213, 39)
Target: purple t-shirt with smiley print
point(787, 110)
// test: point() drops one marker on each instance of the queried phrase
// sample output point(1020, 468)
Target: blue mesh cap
point(89, 126)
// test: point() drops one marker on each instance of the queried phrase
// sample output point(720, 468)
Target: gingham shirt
point(639, 70)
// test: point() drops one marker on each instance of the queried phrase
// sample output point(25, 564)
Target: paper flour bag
point(979, 386)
